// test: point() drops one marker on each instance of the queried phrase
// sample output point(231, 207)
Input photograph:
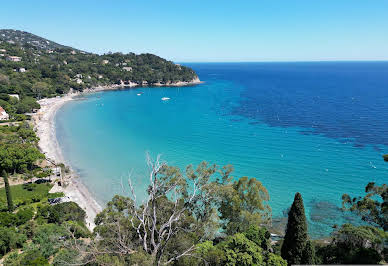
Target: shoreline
point(44, 125)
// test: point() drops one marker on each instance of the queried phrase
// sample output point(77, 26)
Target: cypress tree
point(309, 254)
point(7, 191)
point(296, 238)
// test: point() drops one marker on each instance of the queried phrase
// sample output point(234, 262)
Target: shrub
point(67, 211)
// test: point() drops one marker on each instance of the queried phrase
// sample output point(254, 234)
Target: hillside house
point(14, 95)
point(104, 62)
point(22, 70)
point(127, 68)
point(14, 58)
point(3, 50)
point(3, 114)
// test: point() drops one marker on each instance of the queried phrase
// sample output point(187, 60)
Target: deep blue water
point(317, 128)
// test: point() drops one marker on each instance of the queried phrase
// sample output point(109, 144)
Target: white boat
point(165, 99)
point(138, 94)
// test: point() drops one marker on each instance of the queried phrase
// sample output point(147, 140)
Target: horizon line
point(287, 61)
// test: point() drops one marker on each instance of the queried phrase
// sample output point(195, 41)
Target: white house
point(3, 114)
point(14, 58)
point(104, 62)
point(22, 70)
point(14, 95)
point(127, 68)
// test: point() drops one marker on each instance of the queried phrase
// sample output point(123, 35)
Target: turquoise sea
point(315, 128)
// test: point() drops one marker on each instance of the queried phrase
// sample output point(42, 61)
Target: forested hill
point(33, 66)
point(25, 38)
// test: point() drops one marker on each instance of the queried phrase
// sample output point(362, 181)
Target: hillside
point(23, 38)
point(34, 67)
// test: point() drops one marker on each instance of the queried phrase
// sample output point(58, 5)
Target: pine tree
point(7, 191)
point(296, 238)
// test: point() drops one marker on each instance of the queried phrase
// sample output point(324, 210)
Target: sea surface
point(316, 128)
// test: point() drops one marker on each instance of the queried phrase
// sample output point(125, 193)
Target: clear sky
point(211, 30)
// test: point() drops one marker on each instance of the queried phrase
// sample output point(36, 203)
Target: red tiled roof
point(1, 109)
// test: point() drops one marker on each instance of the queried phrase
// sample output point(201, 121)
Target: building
point(127, 68)
point(3, 114)
point(104, 62)
point(22, 70)
point(3, 50)
point(14, 95)
point(14, 58)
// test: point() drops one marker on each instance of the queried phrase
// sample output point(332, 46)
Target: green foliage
point(259, 235)
point(236, 250)
point(48, 239)
point(19, 157)
point(24, 215)
point(23, 196)
point(7, 191)
point(50, 73)
point(243, 203)
point(33, 258)
point(65, 257)
point(354, 245)
point(309, 253)
point(9, 239)
point(66, 211)
point(295, 241)
point(239, 250)
point(373, 207)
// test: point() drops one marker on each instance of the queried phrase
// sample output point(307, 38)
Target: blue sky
point(211, 30)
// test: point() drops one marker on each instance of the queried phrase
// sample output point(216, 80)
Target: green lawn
point(21, 195)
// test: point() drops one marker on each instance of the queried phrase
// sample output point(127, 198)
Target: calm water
point(317, 128)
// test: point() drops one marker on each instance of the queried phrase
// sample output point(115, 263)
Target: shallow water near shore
point(315, 128)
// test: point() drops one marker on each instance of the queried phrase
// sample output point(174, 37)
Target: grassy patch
point(23, 195)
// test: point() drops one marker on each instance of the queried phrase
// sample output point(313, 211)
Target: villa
point(127, 68)
point(14, 95)
point(3, 114)
point(14, 58)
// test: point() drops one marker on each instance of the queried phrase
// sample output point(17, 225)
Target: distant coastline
point(44, 124)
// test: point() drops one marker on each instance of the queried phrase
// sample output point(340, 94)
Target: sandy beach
point(44, 124)
point(45, 129)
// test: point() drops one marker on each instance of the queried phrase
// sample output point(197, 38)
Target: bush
point(9, 239)
point(67, 211)
point(24, 215)
point(48, 239)
point(33, 258)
